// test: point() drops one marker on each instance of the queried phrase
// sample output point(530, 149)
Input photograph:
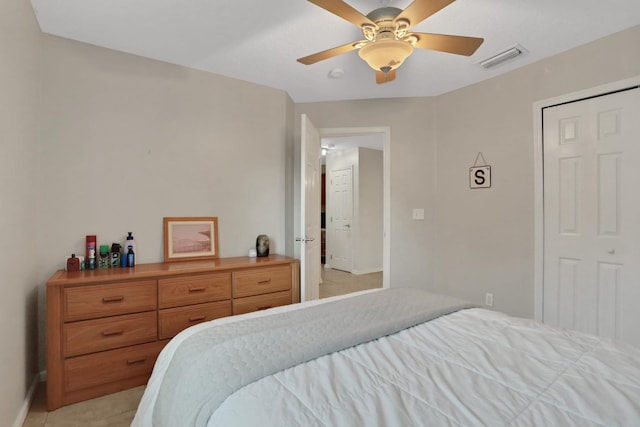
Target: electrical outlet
point(488, 300)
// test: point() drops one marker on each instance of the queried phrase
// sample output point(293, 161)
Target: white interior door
point(310, 211)
point(340, 221)
point(592, 216)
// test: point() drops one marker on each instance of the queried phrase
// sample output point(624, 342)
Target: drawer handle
point(198, 289)
point(264, 282)
point(107, 300)
point(196, 318)
point(265, 307)
point(112, 333)
point(136, 361)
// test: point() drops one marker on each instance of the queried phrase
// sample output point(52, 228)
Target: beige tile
point(121, 420)
point(35, 420)
point(94, 420)
point(115, 409)
point(336, 282)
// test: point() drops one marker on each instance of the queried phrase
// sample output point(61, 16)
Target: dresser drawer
point(111, 366)
point(261, 281)
point(89, 302)
point(193, 290)
point(173, 320)
point(261, 302)
point(89, 336)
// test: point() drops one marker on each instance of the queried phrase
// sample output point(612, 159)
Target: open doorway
point(353, 210)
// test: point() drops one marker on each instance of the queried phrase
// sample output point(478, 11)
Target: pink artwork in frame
point(189, 238)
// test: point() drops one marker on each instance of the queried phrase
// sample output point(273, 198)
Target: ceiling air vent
point(504, 56)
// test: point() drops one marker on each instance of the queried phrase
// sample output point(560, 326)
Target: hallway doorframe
point(386, 162)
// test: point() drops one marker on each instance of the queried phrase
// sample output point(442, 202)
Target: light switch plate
point(418, 214)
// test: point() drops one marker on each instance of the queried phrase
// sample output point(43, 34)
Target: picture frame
point(190, 238)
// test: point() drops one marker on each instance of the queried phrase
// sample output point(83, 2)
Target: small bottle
point(91, 252)
point(115, 255)
point(91, 262)
point(104, 262)
point(130, 242)
point(73, 263)
point(131, 257)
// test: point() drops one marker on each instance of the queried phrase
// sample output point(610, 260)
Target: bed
point(392, 357)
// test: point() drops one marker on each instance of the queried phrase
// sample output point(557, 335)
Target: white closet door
point(592, 216)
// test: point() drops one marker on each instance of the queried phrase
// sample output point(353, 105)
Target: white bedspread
point(471, 368)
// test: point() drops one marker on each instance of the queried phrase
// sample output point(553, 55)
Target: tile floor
point(336, 282)
point(118, 409)
point(113, 410)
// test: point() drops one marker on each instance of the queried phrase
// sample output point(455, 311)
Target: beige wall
point(490, 232)
point(290, 162)
point(474, 241)
point(19, 49)
point(369, 208)
point(126, 141)
point(412, 163)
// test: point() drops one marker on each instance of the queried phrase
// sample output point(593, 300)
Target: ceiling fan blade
point(344, 11)
point(420, 10)
point(330, 53)
point(460, 45)
point(384, 78)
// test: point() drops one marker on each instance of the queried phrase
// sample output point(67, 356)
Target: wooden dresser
point(105, 328)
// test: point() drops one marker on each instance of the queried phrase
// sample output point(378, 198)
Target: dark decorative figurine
point(262, 245)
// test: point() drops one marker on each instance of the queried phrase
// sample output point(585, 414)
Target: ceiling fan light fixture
point(386, 54)
point(369, 32)
point(387, 41)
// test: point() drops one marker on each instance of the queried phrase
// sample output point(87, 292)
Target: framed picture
point(189, 238)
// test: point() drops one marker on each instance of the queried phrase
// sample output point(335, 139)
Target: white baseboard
point(357, 272)
point(24, 410)
point(373, 270)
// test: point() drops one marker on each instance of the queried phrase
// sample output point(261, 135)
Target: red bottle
point(73, 263)
point(90, 258)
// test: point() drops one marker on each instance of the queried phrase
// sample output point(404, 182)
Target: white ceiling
point(259, 41)
point(374, 141)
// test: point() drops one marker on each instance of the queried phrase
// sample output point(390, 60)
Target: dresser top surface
point(142, 271)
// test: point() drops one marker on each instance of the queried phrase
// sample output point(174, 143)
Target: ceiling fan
point(388, 41)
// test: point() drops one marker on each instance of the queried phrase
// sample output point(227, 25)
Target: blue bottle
point(131, 257)
point(130, 242)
